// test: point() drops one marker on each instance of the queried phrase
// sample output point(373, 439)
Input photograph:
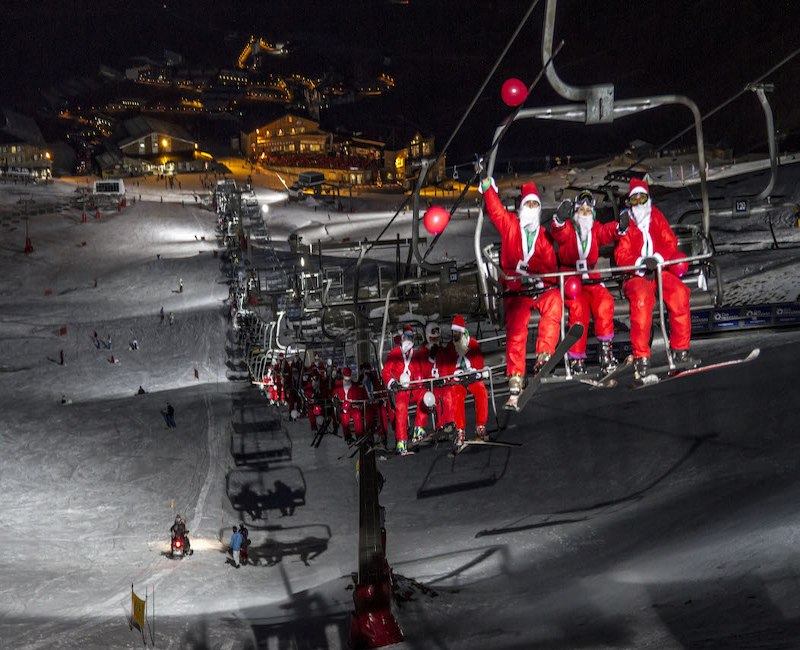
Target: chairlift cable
point(497, 140)
point(464, 117)
point(732, 98)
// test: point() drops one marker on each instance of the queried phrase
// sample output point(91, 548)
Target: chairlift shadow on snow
point(468, 471)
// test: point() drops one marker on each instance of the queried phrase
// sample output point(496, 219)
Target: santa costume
point(463, 356)
point(579, 242)
point(528, 248)
point(650, 237)
point(404, 364)
point(351, 401)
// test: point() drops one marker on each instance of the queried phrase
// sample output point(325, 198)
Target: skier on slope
point(648, 243)
point(404, 364)
point(526, 249)
point(462, 356)
point(578, 242)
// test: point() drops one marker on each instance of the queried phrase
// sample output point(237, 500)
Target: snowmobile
point(179, 546)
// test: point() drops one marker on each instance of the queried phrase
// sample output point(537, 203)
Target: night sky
point(441, 51)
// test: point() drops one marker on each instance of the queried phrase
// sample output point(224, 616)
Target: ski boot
point(417, 436)
point(514, 389)
point(458, 440)
point(683, 359)
point(577, 366)
point(541, 359)
point(641, 368)
point(480, 433)
point(608, 362)
point(401, 449)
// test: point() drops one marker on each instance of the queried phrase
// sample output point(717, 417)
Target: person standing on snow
point(526, 249)
point(462, 356)
point(578, 242)
point(170, 416)
point(236, 546)
point(648, 243)
point(403, 365)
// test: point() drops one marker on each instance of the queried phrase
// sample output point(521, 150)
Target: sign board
point(453, 273)
point(741, 207)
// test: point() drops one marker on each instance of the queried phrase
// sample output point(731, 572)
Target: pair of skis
point(570, 338)
point(664, 374)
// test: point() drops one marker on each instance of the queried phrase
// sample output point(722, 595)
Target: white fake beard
point(584, 223)
point(529, 218)
point(462, 345)
point(406, 346)
point(641, 216)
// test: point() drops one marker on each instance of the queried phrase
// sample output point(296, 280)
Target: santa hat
point(638, 186)
point(347, 372)
point(459, 325)
point(530, 193)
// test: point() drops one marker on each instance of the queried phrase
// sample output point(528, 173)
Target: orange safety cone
point(97, 214)
point(83, 217)
point(28, 245)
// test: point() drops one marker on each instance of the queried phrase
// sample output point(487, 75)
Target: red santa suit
point(316, 397)
point(452, 362)
point(536, 257)
point(650, 235)
point(268, 382)
point(578, 248)
point(411, 365)
point(352, 400)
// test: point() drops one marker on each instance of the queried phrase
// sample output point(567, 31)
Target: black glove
point(650, 263)
point(394, 386)
point(623, 221)
point(563, 212)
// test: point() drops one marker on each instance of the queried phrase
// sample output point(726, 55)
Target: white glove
point(486, 183)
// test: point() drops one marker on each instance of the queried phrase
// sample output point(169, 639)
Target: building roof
point(15, 127)
point(142, 126)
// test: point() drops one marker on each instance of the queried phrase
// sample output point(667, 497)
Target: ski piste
point(677, 374)
point(570, 338)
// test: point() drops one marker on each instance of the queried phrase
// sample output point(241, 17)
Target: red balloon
point(435, 219)
point(514, 92)
point(680, 268)
point(573, 287)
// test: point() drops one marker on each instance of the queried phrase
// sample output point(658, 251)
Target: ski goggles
point(640, 198)
point(584, 198)
point(435, 332)
point(408, 335)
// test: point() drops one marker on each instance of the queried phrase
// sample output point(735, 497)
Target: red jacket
point(665, 243)
point(448, 360)
point(566, 237)
point(346, 397)
point(543, 259)
point(418, 366)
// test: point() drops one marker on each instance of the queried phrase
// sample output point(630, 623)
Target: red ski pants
point(478, 390)
point(641, 293)
point(355, 417)
point(518, 315)
point(594, 301)
point(401, 402)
